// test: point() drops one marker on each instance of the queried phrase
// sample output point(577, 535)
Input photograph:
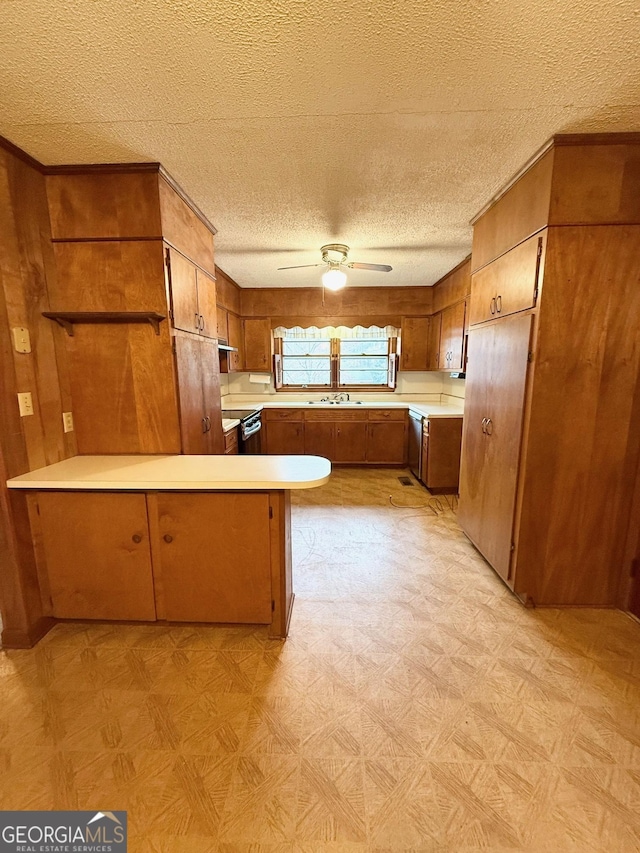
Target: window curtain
point(342, 332)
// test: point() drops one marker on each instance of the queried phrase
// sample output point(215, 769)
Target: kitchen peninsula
point(167, 538)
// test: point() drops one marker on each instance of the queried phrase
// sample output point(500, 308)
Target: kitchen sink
point(334, 403)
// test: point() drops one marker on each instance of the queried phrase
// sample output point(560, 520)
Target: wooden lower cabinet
point(387, 442)
point(319, 439)
point(441, 440)
point(284, 437)
point(175, 556)
point(208, 566)
point(347, 437)
point(98, 555)
point(350, 441)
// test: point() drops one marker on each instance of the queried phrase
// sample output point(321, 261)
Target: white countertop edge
point(163, 473)
point(430, 410)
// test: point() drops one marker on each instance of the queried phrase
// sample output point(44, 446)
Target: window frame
point(334, 368)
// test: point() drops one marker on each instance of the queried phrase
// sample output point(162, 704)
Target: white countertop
point(179, 473)
point(425, 408)
point(229, 424)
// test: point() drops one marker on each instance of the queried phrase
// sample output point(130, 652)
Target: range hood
point(226, 348)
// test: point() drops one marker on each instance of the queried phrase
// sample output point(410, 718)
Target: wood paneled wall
point(26, 265)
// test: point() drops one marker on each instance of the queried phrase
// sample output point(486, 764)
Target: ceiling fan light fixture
point(334, 279)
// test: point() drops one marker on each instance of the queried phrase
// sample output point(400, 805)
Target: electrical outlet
point(21, 339)
point(67, 421)
point(25, 404)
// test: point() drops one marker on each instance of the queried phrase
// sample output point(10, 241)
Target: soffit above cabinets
point(385, 126)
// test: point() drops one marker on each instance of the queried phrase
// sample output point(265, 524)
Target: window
point(336, 357)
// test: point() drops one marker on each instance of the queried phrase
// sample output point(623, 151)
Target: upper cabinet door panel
point(184, 228)
point(257, 344)
point(94, 205)
point(183, 292)
point(414, 343)
point(507, 285)
point(207, 307)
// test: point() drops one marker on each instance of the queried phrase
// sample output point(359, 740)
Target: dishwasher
point(415, 443)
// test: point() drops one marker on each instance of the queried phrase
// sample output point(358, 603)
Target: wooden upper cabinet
point(414, 343)
point(193, 296)
point(235, 359)
point(452, 337)
point(185, 227)
point(207, 308)
point(183, 291)
point(103, 205)
point(433, 342)
point(97, 570)
point(509, 284)
point(257, 344)
point(222, 324)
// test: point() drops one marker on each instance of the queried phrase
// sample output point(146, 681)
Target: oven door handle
point(250, 430)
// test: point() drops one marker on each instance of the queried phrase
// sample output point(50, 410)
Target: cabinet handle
point(201, 323)
point(137, 538)
point(208, 423)
point(493, 305)
point(168, 538)
point(484, 426)
point(489, 424)
point(197, 316)
point(499, 304)
point(204, 425)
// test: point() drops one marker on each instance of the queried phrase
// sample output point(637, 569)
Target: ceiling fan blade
point(301, 267)
point(374, 267)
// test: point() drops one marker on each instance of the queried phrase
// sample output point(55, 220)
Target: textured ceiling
point(294, 123)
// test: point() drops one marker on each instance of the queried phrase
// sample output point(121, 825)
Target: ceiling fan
point(334, 256)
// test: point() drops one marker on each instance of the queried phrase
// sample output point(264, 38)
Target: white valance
point(342, 332)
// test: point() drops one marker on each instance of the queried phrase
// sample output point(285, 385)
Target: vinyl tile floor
point(416, 706)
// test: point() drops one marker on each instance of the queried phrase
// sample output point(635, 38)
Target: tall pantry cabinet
point(551, 438)
point(136, 293)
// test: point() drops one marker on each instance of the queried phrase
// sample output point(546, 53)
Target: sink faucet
point(343, 396)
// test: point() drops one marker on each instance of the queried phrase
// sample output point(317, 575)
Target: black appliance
point(250, 427)
point(415, 443)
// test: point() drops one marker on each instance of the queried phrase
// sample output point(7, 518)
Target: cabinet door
point(508, 284)
point(414, 343)
point(212, 408)
point(235, 359)
point(495, 389)
point(97, 553)
point(257, 345)
point(189, 367)
point(222, 326)
point(207, 307)
point(433, 343)
point(319, 439)
point(285, 437)
point(386, 442)
point(183, 293)
point(441, 454)
point(350, 441)
point(452, 337)
point(212, 557)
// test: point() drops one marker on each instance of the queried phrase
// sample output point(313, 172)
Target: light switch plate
point(21, 339)
point(25, 404)
point(67, 421)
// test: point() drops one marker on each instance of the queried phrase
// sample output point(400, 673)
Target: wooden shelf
point(67, 319)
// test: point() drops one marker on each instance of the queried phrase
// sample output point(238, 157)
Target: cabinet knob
point(168, 538)
point(137, 538)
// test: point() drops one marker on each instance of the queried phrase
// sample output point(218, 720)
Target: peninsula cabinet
point(126, 239)
point(551, 436)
